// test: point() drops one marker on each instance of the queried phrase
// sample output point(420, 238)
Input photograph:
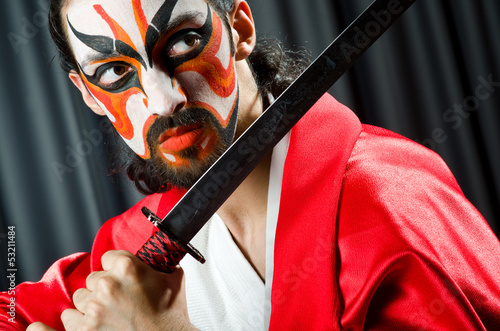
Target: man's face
point(163, 73)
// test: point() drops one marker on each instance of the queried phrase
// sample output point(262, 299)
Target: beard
point(156, 175)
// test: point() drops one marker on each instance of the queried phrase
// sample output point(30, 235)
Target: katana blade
point(212, 189)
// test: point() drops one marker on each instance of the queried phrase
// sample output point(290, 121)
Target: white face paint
point(161, 71)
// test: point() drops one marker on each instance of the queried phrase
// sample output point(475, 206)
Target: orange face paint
point(221, 80)
point(169, 90)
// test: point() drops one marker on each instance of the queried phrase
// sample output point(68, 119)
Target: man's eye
point(111, 76)
point(185, 44)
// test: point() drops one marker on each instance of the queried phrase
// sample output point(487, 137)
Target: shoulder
point(388, 162)
point(403, 190)
point(401, 196)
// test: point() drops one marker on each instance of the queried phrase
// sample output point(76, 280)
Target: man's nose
point(164, 95)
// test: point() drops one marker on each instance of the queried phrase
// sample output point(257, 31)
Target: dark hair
point(274, 68)
point(59, 36)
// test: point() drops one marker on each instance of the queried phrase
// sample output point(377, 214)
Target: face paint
point(163, 73)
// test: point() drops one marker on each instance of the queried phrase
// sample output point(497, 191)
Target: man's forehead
point(86, 15)
point(110, 18)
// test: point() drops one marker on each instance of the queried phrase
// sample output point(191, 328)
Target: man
point(343, 226)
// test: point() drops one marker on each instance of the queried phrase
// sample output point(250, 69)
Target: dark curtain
point(434, 77)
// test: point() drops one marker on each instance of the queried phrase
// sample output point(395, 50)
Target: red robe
point(373, 232)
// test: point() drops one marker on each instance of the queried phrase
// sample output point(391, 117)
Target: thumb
point(39, 326)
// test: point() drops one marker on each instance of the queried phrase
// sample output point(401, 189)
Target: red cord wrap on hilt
point(163, 251)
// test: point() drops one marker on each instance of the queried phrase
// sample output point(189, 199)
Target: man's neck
point(245, 215)
point(245, 211)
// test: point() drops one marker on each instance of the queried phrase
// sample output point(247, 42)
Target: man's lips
point(180, 138)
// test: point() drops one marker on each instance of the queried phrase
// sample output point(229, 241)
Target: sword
point(167, 246)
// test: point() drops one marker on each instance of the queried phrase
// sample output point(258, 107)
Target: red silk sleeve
point(414, 253)
point(45, 300)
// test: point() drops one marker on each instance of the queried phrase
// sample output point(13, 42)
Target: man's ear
point(87, 97)
point(243, 29)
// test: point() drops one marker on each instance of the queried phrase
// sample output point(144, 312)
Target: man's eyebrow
point(105, 47)
point(177, 21)
point(162, 25)
point(97, 57)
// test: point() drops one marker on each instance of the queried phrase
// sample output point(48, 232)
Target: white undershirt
point(226, 293)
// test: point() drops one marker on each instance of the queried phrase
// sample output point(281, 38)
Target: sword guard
point(172, 239)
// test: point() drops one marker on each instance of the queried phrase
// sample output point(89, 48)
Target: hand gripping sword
point(170, 243)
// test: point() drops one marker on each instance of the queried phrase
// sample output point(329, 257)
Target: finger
point(72, 319)
point(92, 279)
point(80, 299)
point(123, 265)
point(39, 326)
point(108, 259)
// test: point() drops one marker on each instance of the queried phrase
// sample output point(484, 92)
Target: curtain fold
point(434, 77)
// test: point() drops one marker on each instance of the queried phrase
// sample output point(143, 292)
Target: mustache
point(181, 118)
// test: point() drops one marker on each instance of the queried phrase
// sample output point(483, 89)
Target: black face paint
point(158, 24)
point(106, 45)
point(126, 82)
point(205, 32)
point(156, 169)
point(109, 46)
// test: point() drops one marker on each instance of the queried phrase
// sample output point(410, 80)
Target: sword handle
point(163, 251)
